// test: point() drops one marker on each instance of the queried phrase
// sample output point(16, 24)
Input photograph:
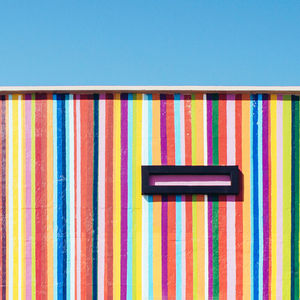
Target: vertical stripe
point(50, 189)
point(124, 192)
point(183, 206)
point(171, 239)
point(246, 194)
point(61, 197)
point(295, 200)
point(3, 196)
point(231, 242)
point(254, 199)
point(273, 186)
point(28, 195)
point(95, 197)
point(108, 288)
point(164, 205)
point(101, 199)
point(77, 150)
point(129, 216)
point(145, 201)
point(279, 184)
point(117, 196)
point(222, 204)
point(215, 204)
point(177, 127)
point(55, 197)
point(188, 198)
point(287, 161)
point(209, 208)
point(265, 154)
point(150, 203)
point(156, 160)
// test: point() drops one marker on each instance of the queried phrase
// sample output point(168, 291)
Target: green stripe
point(215, 204)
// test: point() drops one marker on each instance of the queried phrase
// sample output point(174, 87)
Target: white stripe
point(205, 197)
point(10, 200)
point(101, 199)
point(72, 197)
point(231, 262)
point(78, 202)
point(145, 238)
point(183, 214)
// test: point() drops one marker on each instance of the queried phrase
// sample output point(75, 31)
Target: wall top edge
point(145, 89)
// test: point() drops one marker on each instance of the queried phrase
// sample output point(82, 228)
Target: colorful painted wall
point(75, 224)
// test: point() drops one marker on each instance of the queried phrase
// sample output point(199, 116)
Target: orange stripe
point(188, 206)
point(222, 199)
point(171, 204)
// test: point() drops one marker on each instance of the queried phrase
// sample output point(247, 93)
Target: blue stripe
point(54, 197)
point(178, 198)
point(61, 199)
point(254, 199)
point(129, 246)
point(150, 202)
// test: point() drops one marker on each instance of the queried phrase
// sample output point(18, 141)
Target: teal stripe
point(129, 246)
point(260, 196)
point(54, 197)
point(150, 202)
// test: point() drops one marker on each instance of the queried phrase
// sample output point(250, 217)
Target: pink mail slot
point(189, 180)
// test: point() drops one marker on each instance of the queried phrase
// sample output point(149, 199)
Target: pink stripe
point(279, 197)
point(78, 197)
point(182, 139)
point(231, 261)
point(101, 208)
point(28, 195)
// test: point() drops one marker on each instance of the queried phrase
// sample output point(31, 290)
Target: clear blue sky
point(158, 42)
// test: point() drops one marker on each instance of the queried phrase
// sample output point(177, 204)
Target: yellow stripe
point(117, 198)
point(198, 206)
point(138, 199)
point(286, 276)
point(246, 202)
point(157, 288)
point(15, 196)
point(33, 194)
point(273, 129)
point(49, 199)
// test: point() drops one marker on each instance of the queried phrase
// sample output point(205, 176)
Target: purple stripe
point(164, 207)
point(3, 186)
point(266, 237)
point(209, 216)
point(124, 192)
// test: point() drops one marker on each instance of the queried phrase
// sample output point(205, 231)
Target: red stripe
point(188, 206)
point(41, 195)
point(171, 203)
point(108, 271)
point(84, 157)
point(239, 203)
point(222, 199)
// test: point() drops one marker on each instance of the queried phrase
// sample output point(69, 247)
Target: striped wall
point(74, 224)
